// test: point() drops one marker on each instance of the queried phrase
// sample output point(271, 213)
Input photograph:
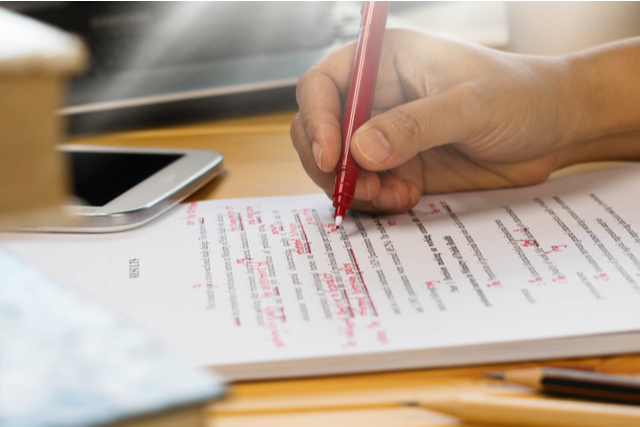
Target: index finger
point(319, 94)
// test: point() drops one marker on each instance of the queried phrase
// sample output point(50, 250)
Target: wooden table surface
point(260, 161)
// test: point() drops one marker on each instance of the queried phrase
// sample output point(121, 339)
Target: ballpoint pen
point(359, 101)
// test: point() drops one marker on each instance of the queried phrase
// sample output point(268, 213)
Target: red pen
point(359, 100)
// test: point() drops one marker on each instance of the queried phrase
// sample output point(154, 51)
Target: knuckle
point(302, 84)
point(470, 98)
point(406, 124)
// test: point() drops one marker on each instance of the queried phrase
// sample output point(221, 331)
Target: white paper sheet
point(271, 279)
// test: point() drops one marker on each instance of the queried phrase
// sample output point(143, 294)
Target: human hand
point(447, 116)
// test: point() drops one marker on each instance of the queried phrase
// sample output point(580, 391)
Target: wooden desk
point(260, 161)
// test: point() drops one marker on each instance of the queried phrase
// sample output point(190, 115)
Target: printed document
point(238, 284)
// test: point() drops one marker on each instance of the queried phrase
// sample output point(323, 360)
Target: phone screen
point(99, 178)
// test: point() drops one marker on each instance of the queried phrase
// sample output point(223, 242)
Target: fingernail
point(373, 146)
point(316, 149)
point(363, 188)
point(398, 201)
point(368, 187)
point(413, 198)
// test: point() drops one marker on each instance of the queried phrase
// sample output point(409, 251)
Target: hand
point(447, 116)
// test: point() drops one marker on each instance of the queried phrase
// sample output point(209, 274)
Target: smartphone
point(117, 188)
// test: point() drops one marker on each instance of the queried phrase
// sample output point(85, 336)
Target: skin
point(449, 116)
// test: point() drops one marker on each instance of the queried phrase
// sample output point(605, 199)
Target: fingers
point(319, 98)
point(395, 195)
point(395, 136)
point(375, 192)
point(367, 187)
point(302, 145)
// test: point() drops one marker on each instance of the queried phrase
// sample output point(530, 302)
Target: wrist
point(603, 97)
point(606, 89)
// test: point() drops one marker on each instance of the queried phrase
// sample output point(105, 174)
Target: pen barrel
point(360, 95)
point(365, 69)
point(345, 188)
point(591, 385)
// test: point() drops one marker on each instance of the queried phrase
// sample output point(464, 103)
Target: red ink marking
point(495, 283)
point(331, 284)
point(336, 296)
point(263, 278)
point(308, 216)
point(299, 247)
point(275, 313)
point(525, 243)
point(433, 209)
point(277, 339)
point(364, 285)
point(362, 306)
point(353, 283)
point(346, 298)
point(556, 248)
point(275, 316)
point(559, 279)
point(304, 234)
point(191, 213)
point(329, 228)
point(537, 279)
point(382, 337)
point(233, 221)
point(431, 284)
point(293, 231)
point(251, 218)
point(347, 268)
point(391, 222)
point(348, 330)
point(240, 224)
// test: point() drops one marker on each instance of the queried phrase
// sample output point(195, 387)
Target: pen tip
point(338, 221)
point(494, 374)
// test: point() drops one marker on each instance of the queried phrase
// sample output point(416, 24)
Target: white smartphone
point(120, 188)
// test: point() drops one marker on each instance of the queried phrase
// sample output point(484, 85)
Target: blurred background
point(157, 64)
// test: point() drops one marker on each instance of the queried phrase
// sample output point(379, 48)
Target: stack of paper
point(269, 287)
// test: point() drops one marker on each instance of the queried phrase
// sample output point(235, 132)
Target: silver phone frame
point(147, 200)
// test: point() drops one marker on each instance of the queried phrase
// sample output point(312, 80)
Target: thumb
point(397, 135)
